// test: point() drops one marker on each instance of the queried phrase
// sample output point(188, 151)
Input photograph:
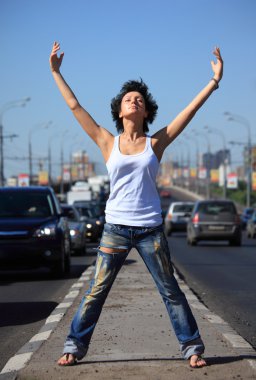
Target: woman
point(133, 212)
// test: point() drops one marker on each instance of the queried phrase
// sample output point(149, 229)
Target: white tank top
point(134, 199)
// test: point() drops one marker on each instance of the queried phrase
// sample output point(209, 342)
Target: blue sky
point(168, 43)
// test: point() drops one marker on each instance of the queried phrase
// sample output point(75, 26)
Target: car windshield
point(248, 211)
point(70, 214)
point(182, 208)
point(88, 212)
point(25, 204)
point(216, 208)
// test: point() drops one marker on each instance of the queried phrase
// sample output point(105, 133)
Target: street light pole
point(242, 120)
point(36, 128)
point(6, 107)
point(205, 135)
point(218, 132)
point(197, 160)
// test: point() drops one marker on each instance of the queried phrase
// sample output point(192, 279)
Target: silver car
point(251, 226)
point(177, 217)
point(214, 220)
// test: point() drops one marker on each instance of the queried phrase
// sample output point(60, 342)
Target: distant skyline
point(168, 43)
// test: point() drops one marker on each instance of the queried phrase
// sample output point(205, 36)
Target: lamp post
point(218, 132)
point(6, 107)
point(242, 120)
point(33, 130)
point(62, 161)
point(188, 159)
point(206, 136)
point(196, 161)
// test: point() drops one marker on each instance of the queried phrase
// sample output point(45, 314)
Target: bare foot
point(196, 361)
point(67, 360)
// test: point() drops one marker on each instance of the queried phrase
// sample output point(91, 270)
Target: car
point(94, 225)
point(33, 230)
point(246, 215)
point(98, 206)
point(165, 193)
point(77, 229)
point(177, 216)
point(214, 220)
point(251, 226)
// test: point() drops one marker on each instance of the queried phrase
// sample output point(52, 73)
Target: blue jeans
point(153, 249)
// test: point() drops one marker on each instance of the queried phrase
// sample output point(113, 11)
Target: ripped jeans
point(152, 246)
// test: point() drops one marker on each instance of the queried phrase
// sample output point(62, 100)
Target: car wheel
point(80, 251)
point(62, 266)
point(193, 242)
point(235, 242)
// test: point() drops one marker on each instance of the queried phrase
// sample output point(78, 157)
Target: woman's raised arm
point(102, 137)
point(165, 136)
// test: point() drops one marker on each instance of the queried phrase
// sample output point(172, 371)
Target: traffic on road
point(220, 273)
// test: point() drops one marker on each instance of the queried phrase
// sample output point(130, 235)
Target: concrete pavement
point(133, 338)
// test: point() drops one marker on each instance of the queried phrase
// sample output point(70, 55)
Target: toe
point(196, 361)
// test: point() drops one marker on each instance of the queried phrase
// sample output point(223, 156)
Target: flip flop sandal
point(195, 363)
point(68, 363)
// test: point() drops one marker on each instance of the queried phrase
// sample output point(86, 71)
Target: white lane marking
point(236, 340)
point(63, 305)
point(41, 336)
point(77, 285)
point(72, 294)
point(54, 318)
point(84, 278)
point(17, 362)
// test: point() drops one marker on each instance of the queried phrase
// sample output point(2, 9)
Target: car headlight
point(45, 231)
point(98, 222)
point(74, 232)
point(89, 225)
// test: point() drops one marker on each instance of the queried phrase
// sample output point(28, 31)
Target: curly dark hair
point(150, 103)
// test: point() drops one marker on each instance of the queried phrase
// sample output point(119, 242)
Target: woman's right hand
point(55, 61)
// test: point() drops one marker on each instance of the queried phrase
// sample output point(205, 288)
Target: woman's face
point(133, 103)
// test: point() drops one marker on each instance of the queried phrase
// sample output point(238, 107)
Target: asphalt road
point(223, 277)
point(28, 297)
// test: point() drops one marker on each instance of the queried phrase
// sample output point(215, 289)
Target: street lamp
point(188, 159)
point(218, 132)
point(196, 161)
point(6, 107)
point(205, 135)
point(242, 120)
point(32, 130)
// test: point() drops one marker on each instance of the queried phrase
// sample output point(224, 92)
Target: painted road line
point(17, 362)
point(41, 336)
point(54, 318)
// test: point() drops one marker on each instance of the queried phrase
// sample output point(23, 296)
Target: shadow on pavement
point(22, 313)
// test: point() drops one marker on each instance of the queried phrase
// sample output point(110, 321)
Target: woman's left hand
point(217, 66)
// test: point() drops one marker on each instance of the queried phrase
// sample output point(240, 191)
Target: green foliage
point(237, 195)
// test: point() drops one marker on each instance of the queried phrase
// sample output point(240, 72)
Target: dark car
point(251, 226)
point(246, 215)
point(177, 216)
point(94, 225)
point(33, 231)
point(77, 229)
point(214, 220)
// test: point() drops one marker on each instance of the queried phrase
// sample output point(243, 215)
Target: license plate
point(216, 228)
